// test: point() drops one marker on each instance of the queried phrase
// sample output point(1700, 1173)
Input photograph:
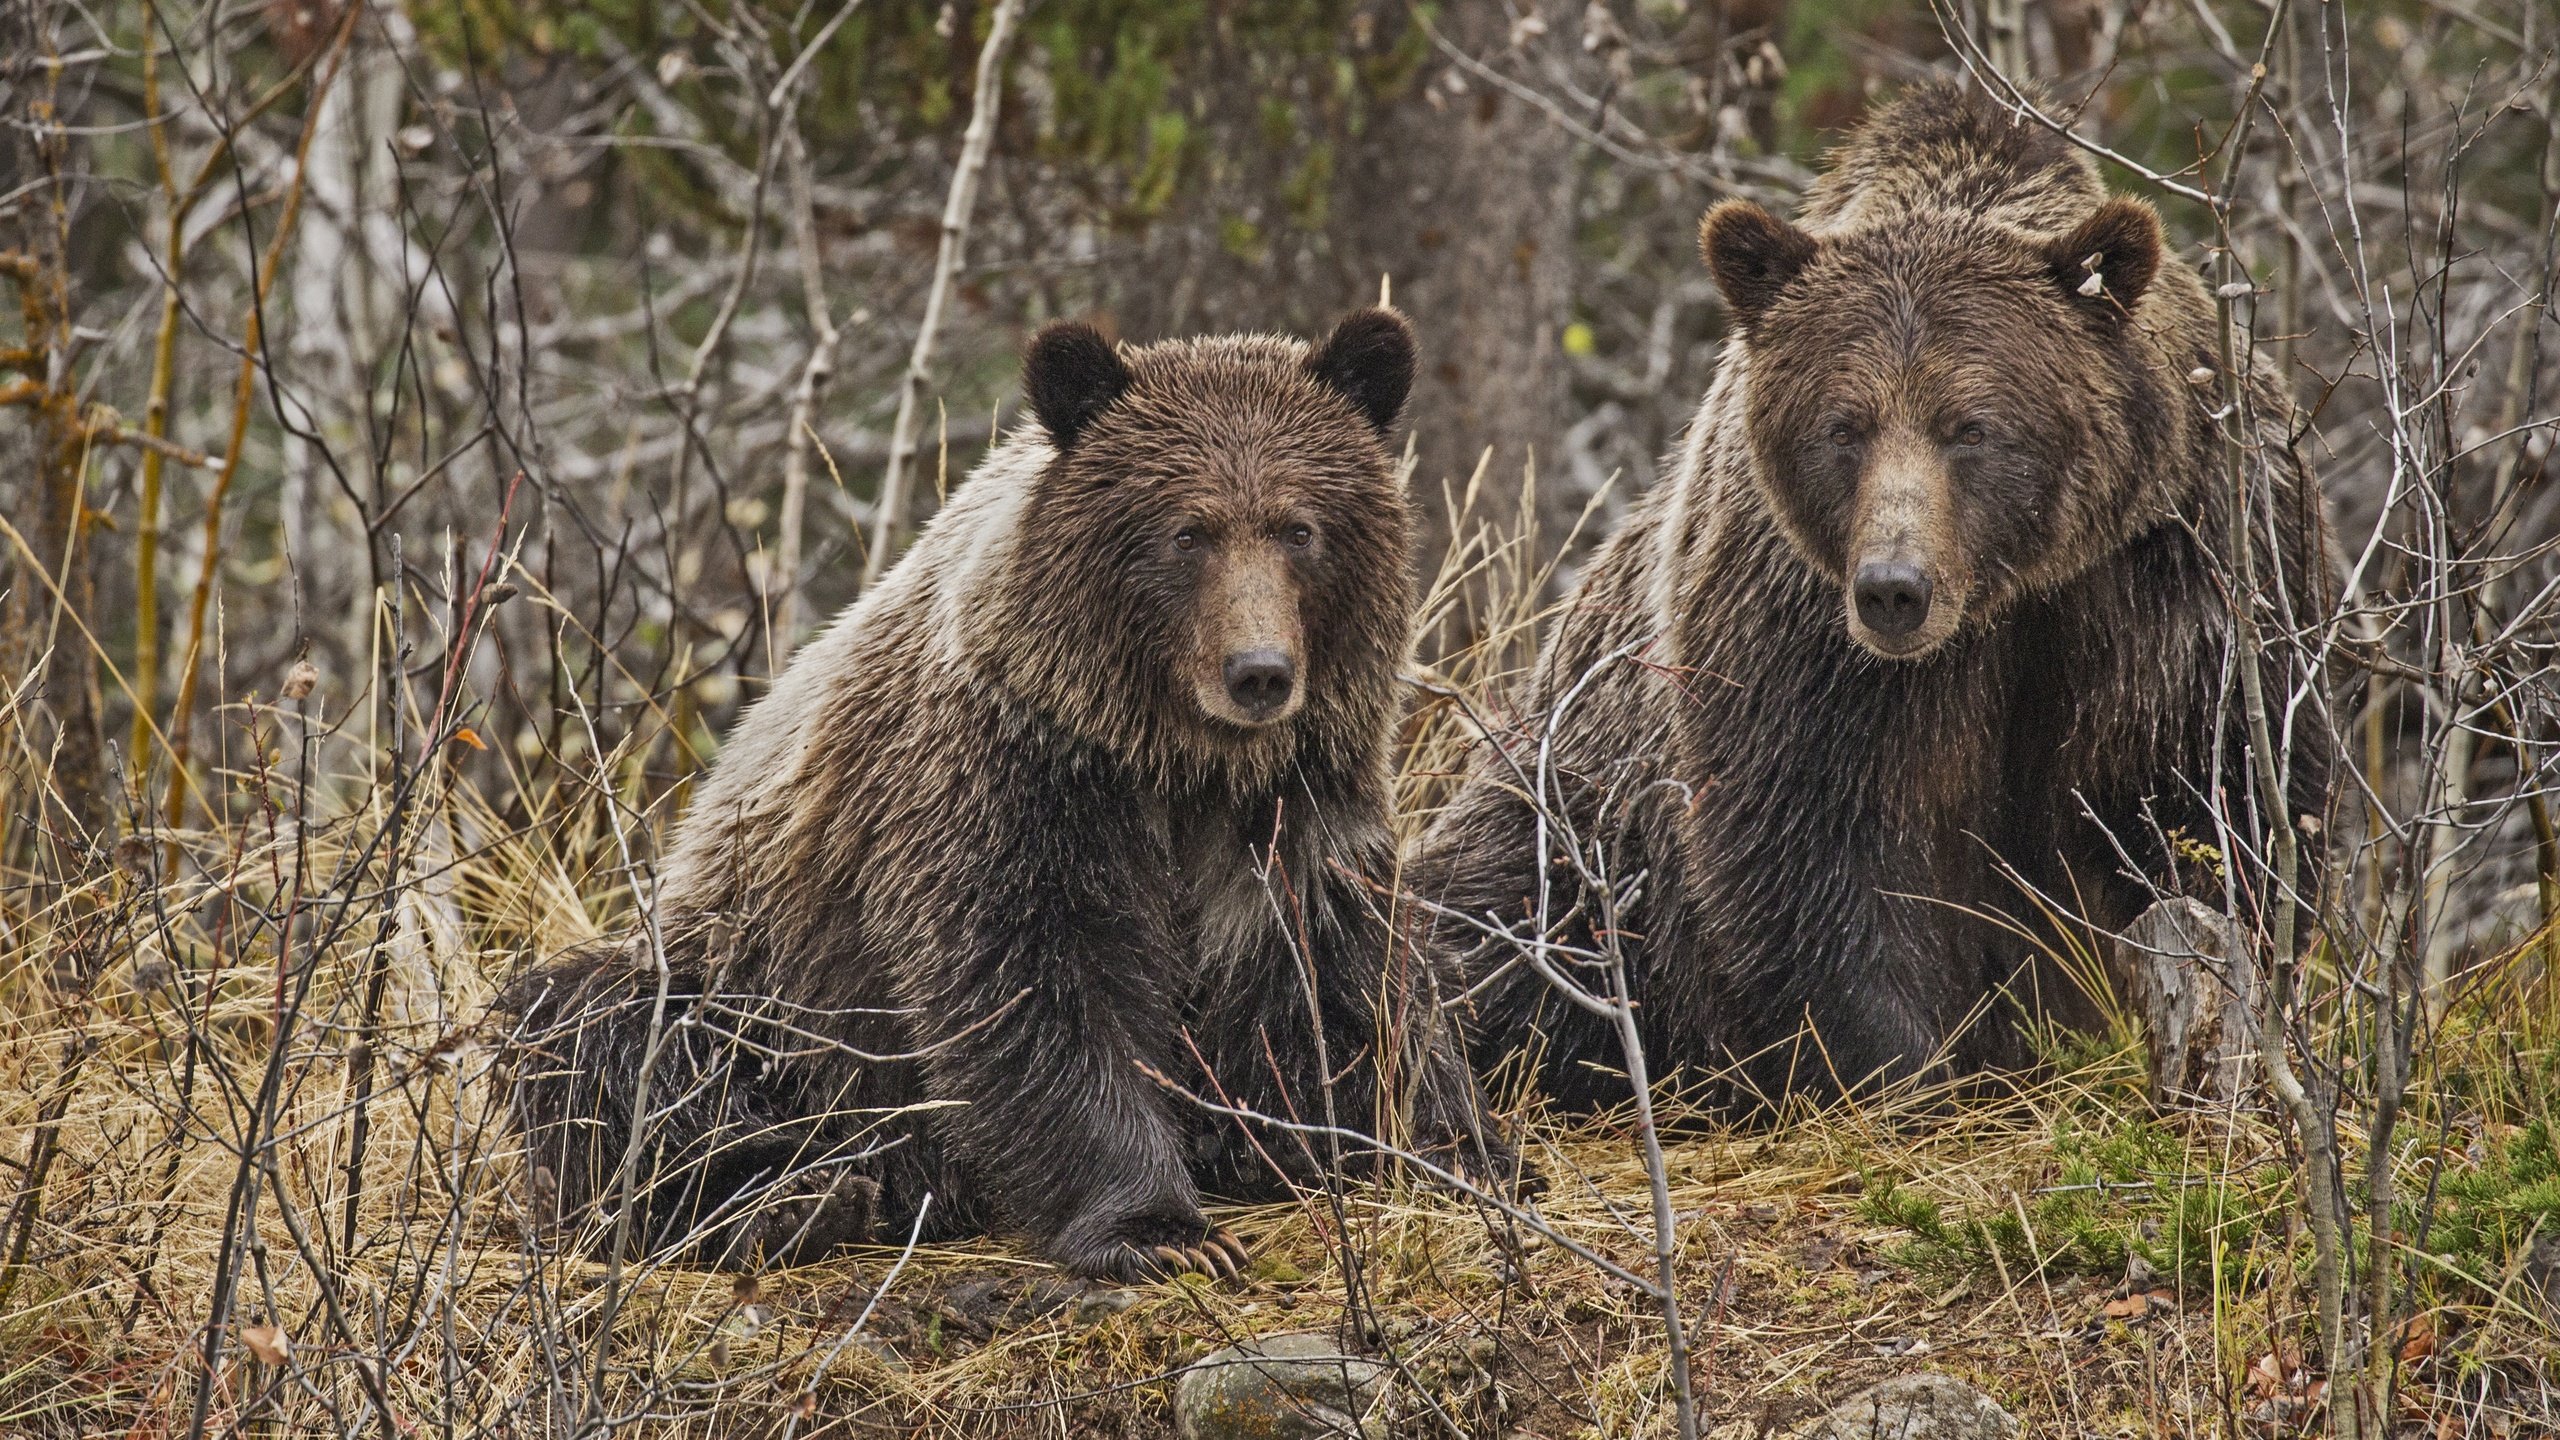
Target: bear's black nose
point(1892, 595)
point(1258, 681)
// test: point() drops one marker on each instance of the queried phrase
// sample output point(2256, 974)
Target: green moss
point(2123, 1186)
point(1886, 1202)
point(1168, 148)
point(1127, 109)
point(2485, 1215)
point(1308, 191)
point(1242, 238)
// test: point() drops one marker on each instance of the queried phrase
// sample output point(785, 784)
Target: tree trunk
point(1460, 194)
point(51, 610)
point(1468, 206)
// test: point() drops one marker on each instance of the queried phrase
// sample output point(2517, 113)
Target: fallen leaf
point(468, 736)
point(2267, 1376)
point(2418, 1337)
point(2141, 1307)
point(268, 1343)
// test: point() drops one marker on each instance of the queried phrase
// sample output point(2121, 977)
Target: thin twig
point(974, 145)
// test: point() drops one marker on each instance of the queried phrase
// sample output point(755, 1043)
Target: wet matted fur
point(1092, 788)
point(1960, 386)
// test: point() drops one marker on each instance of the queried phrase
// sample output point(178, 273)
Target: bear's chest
point(1223, 890)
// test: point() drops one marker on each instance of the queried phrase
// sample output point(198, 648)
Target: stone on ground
point(1284, 1387)
point(1917, 1407)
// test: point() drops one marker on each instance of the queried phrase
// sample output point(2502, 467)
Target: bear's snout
point(1249, 644)
point(1259, 681)
point(1892, 597)
point(1908, 579)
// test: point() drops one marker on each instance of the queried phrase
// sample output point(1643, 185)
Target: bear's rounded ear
point(1369, 359)
point(1752, 254)
point(2104, 266)
point(1069, 373)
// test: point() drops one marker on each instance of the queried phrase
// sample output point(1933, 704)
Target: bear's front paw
point(810, 1220)
point(1465, 1141)
point(1157, 1248)
point(1486, 1164)
point(1219, 1254)
point(1490, 1164)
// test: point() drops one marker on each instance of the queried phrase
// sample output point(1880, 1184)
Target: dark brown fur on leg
point(734, 1164)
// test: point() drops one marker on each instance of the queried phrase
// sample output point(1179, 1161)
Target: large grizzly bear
point(1922, 650)
point(1091, 789)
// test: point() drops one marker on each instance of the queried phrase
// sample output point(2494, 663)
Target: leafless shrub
point(400, 496)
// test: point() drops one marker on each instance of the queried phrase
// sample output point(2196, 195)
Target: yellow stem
point(155, 418)
point(244, 389)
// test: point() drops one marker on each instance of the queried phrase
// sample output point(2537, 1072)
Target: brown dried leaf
point(2418, 1337)
point(2266, 1377)
point(268, 1343)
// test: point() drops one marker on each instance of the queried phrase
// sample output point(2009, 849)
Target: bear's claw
point(1221, 1256)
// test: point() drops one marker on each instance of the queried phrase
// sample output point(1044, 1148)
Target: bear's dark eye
point(1186, 538)
point(1843, 434)
point(1970, 434)
point(1301, 536)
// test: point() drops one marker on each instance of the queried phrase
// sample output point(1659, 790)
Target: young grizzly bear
point(1923, 647)
point(1081, 795)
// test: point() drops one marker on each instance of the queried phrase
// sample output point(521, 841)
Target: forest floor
point(2100, 1268)
point(265, 1091)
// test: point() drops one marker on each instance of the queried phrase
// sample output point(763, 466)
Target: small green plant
point(2486, 1214)
point(1886, 1202)
point(2123, 1185)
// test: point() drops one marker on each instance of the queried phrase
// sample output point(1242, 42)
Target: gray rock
point(1282, 1387)
point(1095, 1306)
point(2542, 1273)
point(1918, 1407)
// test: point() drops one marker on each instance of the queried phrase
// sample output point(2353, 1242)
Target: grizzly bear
point(1079, 817)
point(1920, 661)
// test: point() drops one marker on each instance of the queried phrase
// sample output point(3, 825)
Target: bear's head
point(1946, 414)
point(1215, 564)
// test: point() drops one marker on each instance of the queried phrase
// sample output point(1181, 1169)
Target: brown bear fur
point(1929, 617)
point(1011, 834)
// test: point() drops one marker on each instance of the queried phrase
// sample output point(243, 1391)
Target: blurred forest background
point(423, 425)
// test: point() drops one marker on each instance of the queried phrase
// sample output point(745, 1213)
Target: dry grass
point(187, 1051)
point(1803, 1283)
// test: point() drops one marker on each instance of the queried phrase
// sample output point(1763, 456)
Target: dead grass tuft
point(182, 1051)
